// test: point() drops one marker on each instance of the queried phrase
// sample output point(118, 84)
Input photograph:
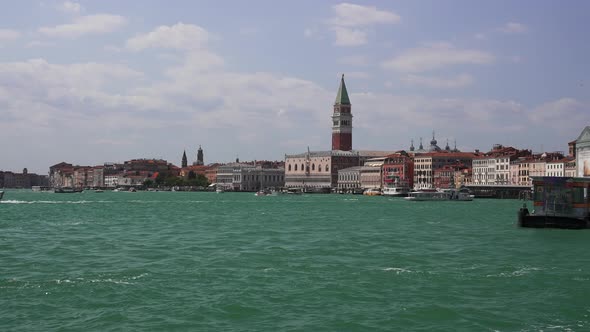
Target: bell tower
point(342, 120)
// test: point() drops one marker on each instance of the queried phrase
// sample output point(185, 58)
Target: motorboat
point(67, 190)
point(451, 194)
point(395, 191)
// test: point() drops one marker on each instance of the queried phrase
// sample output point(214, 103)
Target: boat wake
point(52, 202)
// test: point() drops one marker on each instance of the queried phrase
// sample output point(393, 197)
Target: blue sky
point(94, 81)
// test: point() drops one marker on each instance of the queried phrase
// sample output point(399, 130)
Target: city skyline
point(92, 82)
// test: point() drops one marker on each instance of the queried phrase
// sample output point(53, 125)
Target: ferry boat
point(558, 202)
point(461, 194)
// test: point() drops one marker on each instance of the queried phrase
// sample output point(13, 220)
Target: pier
point(500, 191)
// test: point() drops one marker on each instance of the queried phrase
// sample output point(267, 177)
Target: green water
point(162, 261)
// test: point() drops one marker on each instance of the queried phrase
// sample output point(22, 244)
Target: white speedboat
point(395, 191)
point(462, 194)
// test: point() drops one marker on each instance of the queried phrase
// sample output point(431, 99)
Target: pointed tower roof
point(342, 96)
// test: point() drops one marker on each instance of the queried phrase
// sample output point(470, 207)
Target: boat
point(1, 194)
point(451, 194)
point(98, 191)
point(219, 189)
point(67, 190)
point(558, 202)
point(395, 191)
point(262, 193)
point(372, 192)
point(396, 187)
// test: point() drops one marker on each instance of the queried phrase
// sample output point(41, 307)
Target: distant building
point(583, 153)
point(318, 170)
point(349, 178)
point(426, 164)
point(200, 160)
point(24, 180)
point(184, 161)
point(398, 169)
point(493, 168)
point(249, 176)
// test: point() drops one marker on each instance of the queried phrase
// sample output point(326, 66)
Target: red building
point(398, 169)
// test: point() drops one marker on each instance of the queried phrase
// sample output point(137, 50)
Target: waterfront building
point(449, 176)
point(426, 163)
point(318, 170)
point(463, 176)
point(583, 153)
point(493, 168)
point(398, 168)
point(349, 179)
point(111, 180)
point(557, 167)
point(249, 177)
point(371, 173)
point(98, 177)
point(24, 180)
point(61, 175)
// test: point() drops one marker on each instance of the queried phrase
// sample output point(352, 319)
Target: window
point(326, 168)
point(313, 167)
point(295, 167)
point(289, 167)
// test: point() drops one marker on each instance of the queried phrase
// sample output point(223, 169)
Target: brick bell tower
point(342, 120)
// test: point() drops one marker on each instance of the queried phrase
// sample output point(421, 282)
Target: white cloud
point(69, 7)
point(351, 15)
point(179, 36)
point(8, 35)
point(436, 56)
point(349, 37)
point(513, 28)
point(350, 22)
point(84, 25)
point(459, 81)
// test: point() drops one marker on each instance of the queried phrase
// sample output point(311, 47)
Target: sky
point(90, 82)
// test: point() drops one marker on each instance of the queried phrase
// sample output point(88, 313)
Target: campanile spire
point(342, 120)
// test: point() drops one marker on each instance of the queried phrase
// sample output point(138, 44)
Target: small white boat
point(462, 194)
point(262, 193)
point(395, 191)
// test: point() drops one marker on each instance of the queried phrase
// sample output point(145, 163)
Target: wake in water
point(52, 202)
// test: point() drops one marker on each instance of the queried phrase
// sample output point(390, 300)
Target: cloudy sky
point(94, 81)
